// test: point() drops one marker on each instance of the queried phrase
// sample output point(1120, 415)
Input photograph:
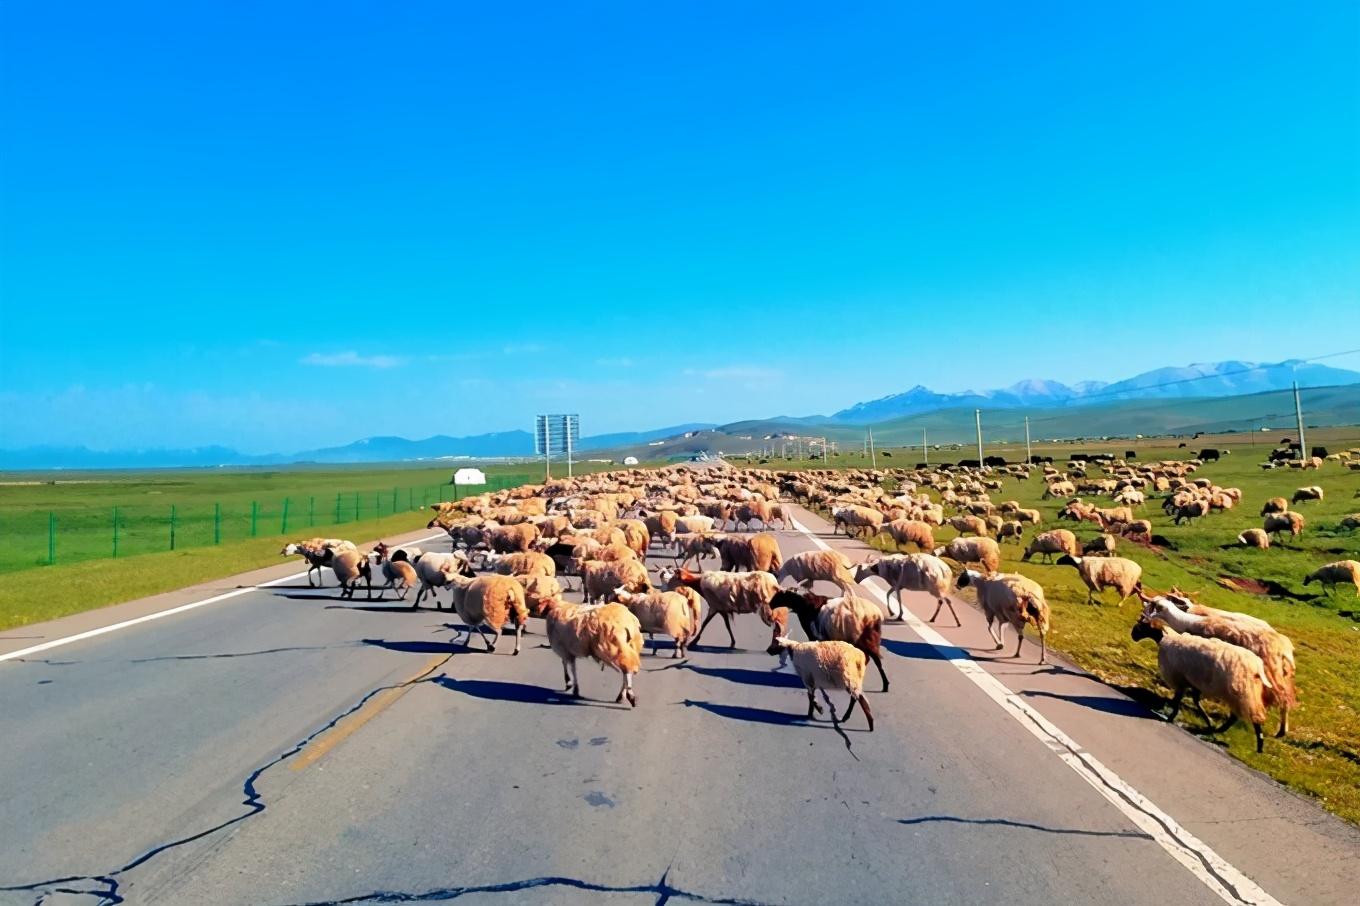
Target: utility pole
point(977, 418)
point(823, 450)
point(925, 450)
point(1028, 454)
point(1298, 414)
point(873, 459)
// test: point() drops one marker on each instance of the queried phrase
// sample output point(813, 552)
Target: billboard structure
point(556, 434)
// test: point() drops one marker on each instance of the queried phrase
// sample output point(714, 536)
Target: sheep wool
point(826, 666)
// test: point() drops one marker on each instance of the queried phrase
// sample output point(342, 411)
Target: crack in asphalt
point(234, 654)
point(664, 891)
point(1022, 825)
point(108, 886)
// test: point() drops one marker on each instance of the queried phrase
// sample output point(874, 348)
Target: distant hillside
point(1218, 379)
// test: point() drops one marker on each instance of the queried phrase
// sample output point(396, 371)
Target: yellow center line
point(351, 724)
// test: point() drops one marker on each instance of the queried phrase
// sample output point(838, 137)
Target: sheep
point(753, 552)
point(1054, 541)
point(538, 591)
point(1099, 546)
point(910, 531)
point(983, 551)
point(1191, 511)
point(1349, 522)
point(661, 525)
point(847, 619)
point(826, 666)
point(635, 536)
point(1180, 599)
point(727, 594)
point(350, 566)
point(1341, 572)
point(400, 575)
point(695, 547)
point(1210, 667)
point(313, 550)
point(526, 563)
point(1254, 537)
point(968, 524)
point(913, 572)
point(1274, 505)
point(857, 518)
point(666, 612)
point(434, 570)
point(1277, 523)
point(827, 565)
point(1312, 492)
point(1034, 517)
point(693, 524)
point(493, 600)
point(609, 634)
point(509, 539)
point(1100, 573)
point(1010, 598)
point(1274, 649)
point(600, 577)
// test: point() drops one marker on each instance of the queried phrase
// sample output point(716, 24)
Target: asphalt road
point(285, 747)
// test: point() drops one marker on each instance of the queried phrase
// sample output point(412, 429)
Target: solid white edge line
point(147, 618)
point(1194, 854)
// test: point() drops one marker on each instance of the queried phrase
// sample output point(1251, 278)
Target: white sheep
point(1340, 572)
point(912, 572)
point(666, 612)
point(1010, 598)
point(1100, 573)
point(808, 567)
point(827, 666)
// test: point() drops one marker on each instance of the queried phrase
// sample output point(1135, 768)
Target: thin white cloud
point(351, 359)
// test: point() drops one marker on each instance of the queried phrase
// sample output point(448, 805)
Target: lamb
point(313, 550)
point(754, 552)
point(609, 634)
point(1277, 523)
point(1312, 492)
point(1341, 572)
point(727, 594)
point(666, 612)
point(435, 571)
point(827, 565)
point(1275, 650)
point(1210, 667)
point(826, 666)
point(1054, 541)
point(1100, 573)
point(695, 547)
point(400, 575)
point(493, 600)
point(1275, 505)
point(983, 551)
point(1010, 598)
point(910, 531)
point(350, 566)
point(1254, 537)
point(968, 524)
point(846, 619)
point(913, 572)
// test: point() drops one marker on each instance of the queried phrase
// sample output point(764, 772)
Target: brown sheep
point(1054, 541)
point(610, 634)
point(1100, 573)
point(983, 551)
point(910, 531)
point(1278, 523)
point(753, 552)
point(493, 600)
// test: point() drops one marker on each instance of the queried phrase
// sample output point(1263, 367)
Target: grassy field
point(373, 501)
point(1322, 755)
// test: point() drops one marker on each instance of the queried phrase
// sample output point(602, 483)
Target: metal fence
point(43, 538)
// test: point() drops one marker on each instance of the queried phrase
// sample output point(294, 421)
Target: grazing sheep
point(350, 566)
point(1275, 650)
point(910, 531)
point(1341, 572)
point(727, 594)
point(490, 600)
point(753, 552)
point(826, 666)
point(1054, 541)
point(666, 612)
point(1033, 517)
point(609, 634)
point(983, 551)
point(964, 525)
point(1190, 511)
point(1278, 523)
point(1100, 573)
point(1099, 546)
point(845, 619)
point(1312, 492)
point(913, 572)
point(1010, 599)
point(1210, 667)
point(827, 565)
point(1274, 505)
point(1013, 530)
point(400, 575)
point(1254, 537)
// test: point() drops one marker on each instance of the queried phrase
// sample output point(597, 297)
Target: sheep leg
point(727, 621)
point(519, 637)
point(420, 593)
point(1227, 725)
point(948, 602)
point(1260, 739)
point(1175, 705)
point(575, 686)
point(997, 634)
point(566, 675)
point(709, 619)
point(812, 703)
point(1019, 640)
point(878, 662)
point(1199, 706)
point(1284, 723)
point(627, 691)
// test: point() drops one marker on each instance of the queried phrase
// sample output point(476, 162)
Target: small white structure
point(469, 476)
point(630, 460)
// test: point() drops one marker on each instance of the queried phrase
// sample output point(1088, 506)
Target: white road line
point(147, 618)
point(1201, 861)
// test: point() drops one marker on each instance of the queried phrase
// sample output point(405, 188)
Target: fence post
point(254, 516)
point(394, 500)
point(311, 512)
point(217, 523)
point(356, 506)
point(51, 538)
point(337, 509)
point(172, 526)
point(115, 533)
point(284, 530)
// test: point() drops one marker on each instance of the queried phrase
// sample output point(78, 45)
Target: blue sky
point(280, 226)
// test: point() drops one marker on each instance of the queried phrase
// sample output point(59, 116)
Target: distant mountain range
point(1086, 408)
point(1215, 379)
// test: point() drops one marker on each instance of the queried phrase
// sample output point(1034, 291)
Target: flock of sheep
point(516, 551)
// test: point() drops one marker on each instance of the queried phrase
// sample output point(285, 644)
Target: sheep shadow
point(1121, 707)
point(316, 597)
point(747, 714)
point(747, 677)
point(923, 651)
point(522, 693)
point(373, 608)
point(416, 647)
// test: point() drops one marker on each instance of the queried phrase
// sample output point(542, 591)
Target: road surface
point(281, 746)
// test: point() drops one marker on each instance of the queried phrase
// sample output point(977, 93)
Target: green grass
point(1322, 755)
